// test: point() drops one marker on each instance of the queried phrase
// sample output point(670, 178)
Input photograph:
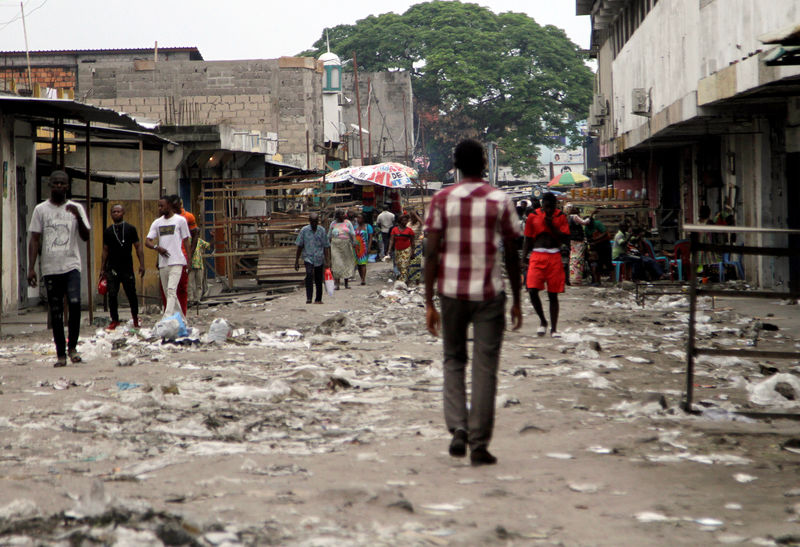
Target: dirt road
point(322, 425)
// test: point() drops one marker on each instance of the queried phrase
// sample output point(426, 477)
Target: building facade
point(697, 102)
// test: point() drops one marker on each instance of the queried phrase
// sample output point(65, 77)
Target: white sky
point(228, 29)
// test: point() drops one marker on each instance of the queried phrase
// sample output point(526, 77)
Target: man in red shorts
point(545, 230)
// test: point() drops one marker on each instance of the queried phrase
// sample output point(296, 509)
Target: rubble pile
point(251, 398)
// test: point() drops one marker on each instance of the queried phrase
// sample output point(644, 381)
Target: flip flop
point(555, 334)
point(61, 362)
point(541, 331)
point(74, 356)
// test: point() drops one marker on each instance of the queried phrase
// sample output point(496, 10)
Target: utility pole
point(27, 51)
point(358, 109)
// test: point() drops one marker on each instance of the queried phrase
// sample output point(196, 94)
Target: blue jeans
point(57, 286)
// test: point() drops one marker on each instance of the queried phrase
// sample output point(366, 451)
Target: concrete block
point(236, 107)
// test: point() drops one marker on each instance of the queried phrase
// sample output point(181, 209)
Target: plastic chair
point(663, 260)
point(618, 272)
point(726, 261)
point(680, 255)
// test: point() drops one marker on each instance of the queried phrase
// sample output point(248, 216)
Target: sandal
point(74, 356)
point(541, 331)
point(60, 362)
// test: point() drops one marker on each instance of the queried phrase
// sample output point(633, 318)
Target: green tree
point(498, 77)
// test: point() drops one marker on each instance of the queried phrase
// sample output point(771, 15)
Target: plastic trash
point(126, 361)
point(171, 327)
point(219, 331)
point(330, 284)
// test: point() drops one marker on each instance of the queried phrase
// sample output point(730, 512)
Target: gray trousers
point(488, 322)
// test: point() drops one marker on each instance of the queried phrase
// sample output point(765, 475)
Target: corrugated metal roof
point(190, 49)
point(68, 110)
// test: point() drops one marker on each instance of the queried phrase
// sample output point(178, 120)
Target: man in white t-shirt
point(56, 226)
point(172, 233)
point(385, 222)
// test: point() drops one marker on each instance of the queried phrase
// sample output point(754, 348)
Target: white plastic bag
point(219, 331)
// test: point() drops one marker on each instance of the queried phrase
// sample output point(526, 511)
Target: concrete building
point(271, 107)
point(697, 103)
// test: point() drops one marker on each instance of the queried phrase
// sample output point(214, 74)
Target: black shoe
point(481, 456)
point(458, 446)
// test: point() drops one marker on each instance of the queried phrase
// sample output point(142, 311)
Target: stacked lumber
point(277, 264)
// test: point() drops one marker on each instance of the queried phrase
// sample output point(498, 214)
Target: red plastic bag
point(102, 285)
point(330, 284)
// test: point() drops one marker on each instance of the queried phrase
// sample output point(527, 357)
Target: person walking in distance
point(169, 237)
point(116, 264)
point(183, 287)
point(385, 222)
point(312, 244)
point(545, 230)
point(465, 226)
point(57, 227)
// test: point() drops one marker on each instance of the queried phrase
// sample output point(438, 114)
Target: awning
point(66, 109)
point(783, 56)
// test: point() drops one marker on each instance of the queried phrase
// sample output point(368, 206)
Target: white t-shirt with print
point(170, 233)
point(60, 237)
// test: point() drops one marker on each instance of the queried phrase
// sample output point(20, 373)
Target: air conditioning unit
point(641, 102)
point(595, 121)
point(600, 105)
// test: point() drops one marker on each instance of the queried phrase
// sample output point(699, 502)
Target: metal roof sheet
point(68, 110)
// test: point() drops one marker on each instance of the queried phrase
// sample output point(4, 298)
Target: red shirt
point(190, 220)
point(472, 217)
point(402, 238)
point(536, 225)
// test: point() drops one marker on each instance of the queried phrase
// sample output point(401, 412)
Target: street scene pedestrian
point(363, 245)
point(401, 246)
point(545, 232)
point(169, 236)
point(57, 227)
point(184, 286)
point(314, 248)
point(116, 265)
point(385, 223)
point(342, 240)
point(465, 227)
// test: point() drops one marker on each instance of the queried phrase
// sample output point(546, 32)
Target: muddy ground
point(322, 425)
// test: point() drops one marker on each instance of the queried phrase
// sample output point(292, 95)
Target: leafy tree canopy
point(497, 77)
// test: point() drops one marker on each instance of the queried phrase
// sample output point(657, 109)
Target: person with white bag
point(313, 245)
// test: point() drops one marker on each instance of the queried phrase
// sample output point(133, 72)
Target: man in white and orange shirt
point(183, 286)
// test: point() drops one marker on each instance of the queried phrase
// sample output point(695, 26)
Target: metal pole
point(308, 152)
point(141, 203)
point(89, 242)
point(405, 127)
point(160, 173)
point(369, 119)
point(690, 343)
point(27, 51)
point(358, 109)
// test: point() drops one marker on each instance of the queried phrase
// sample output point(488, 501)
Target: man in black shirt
point(117, 264)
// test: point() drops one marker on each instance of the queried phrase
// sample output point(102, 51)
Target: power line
point(19, 16)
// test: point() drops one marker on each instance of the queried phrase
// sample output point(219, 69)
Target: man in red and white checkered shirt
point(465, 226)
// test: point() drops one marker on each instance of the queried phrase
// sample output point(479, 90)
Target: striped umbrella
point(568, 179)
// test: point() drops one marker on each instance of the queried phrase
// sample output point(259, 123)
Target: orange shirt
point(190, 220)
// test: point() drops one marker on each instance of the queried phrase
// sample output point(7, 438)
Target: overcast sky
point(228, 29)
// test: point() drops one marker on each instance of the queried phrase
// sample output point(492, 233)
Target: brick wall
point(55, 77)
